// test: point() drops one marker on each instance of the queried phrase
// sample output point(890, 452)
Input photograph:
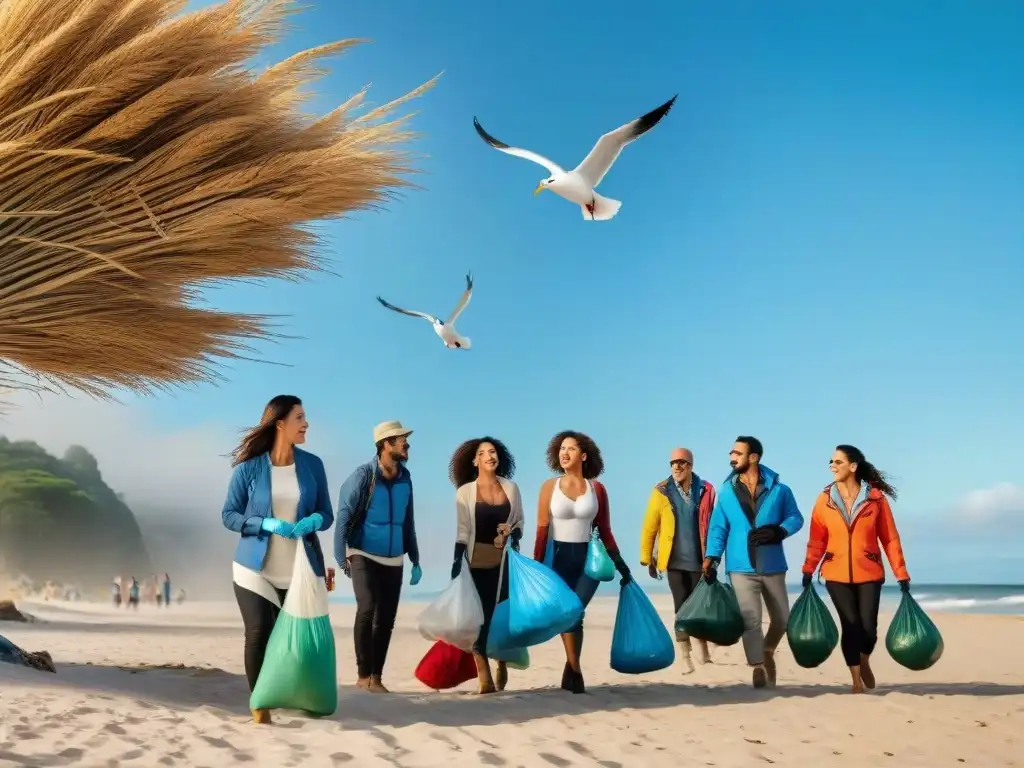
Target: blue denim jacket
point(249, 501)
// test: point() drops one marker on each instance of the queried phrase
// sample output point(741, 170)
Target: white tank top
point(572, 521)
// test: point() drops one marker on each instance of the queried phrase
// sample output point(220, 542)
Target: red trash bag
point(445, 666)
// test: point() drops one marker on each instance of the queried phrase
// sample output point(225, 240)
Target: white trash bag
point(456, 615)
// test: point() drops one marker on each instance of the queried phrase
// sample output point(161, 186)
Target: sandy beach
point(165, 688)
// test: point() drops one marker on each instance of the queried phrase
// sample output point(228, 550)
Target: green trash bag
point(812, 632)
point(711, 613)
point(300, 669)
point(913, 640)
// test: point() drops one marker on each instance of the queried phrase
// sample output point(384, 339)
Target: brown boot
point(376, 686)
point(769, 667)
point(483, 674)
point(261, 716)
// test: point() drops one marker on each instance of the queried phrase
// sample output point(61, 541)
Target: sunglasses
point(680, 462)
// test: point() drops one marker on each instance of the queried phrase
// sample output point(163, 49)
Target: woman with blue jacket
point(278, 496)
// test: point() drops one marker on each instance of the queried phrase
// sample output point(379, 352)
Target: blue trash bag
point(499, 640)
point(640, 641)
point(599, 565)
point(541, 605)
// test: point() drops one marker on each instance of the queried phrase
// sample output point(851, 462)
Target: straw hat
point(387, 429)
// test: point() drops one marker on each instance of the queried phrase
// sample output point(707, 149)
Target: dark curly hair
point(461, 469)
point(594, 464)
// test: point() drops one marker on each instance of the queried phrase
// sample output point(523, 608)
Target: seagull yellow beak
point(539, 189)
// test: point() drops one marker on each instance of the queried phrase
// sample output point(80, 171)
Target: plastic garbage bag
point(300, 669)
point(812, 632)
point(711, 613)
point(640, 642)
point(445, 666)
point(913, 640)
point(500, 646)
point(541, 605)
point(12, 654)
point(456, 615)
point(599, 565)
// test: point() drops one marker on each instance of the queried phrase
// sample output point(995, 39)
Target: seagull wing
point(596, 164)
point(410, 312)
point(526, 154)
point(463, 300)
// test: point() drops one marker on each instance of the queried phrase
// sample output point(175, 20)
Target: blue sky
point(821, 243)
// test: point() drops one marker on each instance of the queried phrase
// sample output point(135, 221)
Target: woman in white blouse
point(489, 510)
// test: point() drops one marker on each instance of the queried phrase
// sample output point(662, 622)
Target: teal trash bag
point(711, 613)
point(913, 640)
point(640, 642)
point(599, 564)
point(541, 605)
point(299, 668)
point(499, 640)
point(812, 632)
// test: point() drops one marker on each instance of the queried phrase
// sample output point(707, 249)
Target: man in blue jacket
point(754, 513)
point(375, 531)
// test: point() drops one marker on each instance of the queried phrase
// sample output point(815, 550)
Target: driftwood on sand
point(141, 159)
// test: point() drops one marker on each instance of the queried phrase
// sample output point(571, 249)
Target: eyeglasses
point(680, 462)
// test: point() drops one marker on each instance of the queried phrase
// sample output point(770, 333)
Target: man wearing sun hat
point(678, 513)
point(374, 532)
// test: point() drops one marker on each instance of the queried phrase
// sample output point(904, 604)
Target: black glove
point(808, 578)
point(766, 534)
point(621, 567)
point(905, 586)
point(460, 552)
point(516, 535)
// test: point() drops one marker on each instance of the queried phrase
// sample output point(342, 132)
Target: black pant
point(857, 606)
point(258, 617)
point(682, 584)
point(377, 588)
point(486, 582)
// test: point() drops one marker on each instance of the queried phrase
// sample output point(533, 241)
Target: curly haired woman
point(489, 509)
point(570, 507)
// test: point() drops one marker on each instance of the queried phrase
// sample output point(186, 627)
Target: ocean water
point(948, 598)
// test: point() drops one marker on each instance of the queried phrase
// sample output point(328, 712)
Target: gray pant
point(750, 590)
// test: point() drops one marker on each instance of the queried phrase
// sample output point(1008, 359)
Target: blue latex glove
point(278, 527)
point(308, 525)
point(417, 574)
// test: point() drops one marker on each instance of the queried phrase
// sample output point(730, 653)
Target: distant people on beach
point(678, 516)
point(376, 530)
point(850, 518)
point(115, 592)
point(163, 595)
point(754, 513)
point(278, 495)
point(570, 507)
point(133, 594)
point(488, 512)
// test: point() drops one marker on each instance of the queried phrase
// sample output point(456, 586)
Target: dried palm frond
point(139, 159)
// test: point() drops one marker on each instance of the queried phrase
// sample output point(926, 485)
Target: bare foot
point(760, 677)
point(376, 686)
point(769, 667)
point(703, 654)
point(857, 688)
point(501, 676)
point(363, 683)
point(261, 716)
point(866, 674)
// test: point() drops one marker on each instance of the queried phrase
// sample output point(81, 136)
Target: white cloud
point(991, 505)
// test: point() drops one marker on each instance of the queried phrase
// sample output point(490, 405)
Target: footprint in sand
point(490, 758)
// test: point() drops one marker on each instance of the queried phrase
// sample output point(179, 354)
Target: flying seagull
point(443, 328)
point(578, 185)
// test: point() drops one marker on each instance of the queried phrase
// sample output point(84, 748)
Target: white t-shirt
point(284, 498)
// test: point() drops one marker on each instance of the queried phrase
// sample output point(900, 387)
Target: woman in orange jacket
point(850, 518)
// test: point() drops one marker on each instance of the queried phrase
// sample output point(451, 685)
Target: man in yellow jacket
point(678, 514)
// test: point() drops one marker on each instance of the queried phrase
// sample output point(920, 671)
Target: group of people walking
point(279, 495)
